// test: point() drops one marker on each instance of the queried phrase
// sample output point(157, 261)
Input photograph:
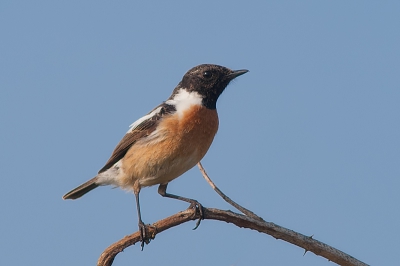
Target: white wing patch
point(183, 100)
point(140, 120)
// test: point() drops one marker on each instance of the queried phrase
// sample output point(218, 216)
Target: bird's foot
point(145, 238)
point(199, 209)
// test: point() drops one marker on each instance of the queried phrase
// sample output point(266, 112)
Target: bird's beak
point(237, 73)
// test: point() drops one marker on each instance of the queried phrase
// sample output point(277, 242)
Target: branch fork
point(246, 220)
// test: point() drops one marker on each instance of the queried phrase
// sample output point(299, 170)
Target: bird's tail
point(82, 189)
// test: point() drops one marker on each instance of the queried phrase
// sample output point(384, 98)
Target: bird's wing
point(139, 129)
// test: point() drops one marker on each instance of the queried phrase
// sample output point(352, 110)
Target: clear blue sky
point(309, 138)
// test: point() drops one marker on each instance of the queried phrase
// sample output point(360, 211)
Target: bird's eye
point(207, 74)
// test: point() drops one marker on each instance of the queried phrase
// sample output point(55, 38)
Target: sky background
point(308, 139)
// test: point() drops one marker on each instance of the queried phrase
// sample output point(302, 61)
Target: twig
point(225, 197)
point(249, 220)
point(306, 242)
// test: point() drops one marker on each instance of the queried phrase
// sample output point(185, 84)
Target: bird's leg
point(142, 226)
point(162, 190)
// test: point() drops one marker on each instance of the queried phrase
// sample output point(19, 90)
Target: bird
point(168, 141)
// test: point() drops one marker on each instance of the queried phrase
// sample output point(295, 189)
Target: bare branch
point(249, 220)
point(225, 197)
point(305, 242)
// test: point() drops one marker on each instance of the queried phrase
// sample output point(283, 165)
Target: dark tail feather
point(82, 189)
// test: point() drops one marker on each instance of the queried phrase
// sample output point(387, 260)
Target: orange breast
point(178, 144)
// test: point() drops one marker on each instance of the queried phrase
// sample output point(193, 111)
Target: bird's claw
point(144, 237)
point(199, 208)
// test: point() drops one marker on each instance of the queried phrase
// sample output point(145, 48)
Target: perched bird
point(168, 141)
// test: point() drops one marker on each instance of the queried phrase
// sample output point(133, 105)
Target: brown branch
point(306, 242)
point(225, 197)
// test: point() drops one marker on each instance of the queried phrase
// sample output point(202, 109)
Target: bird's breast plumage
point(179, 142)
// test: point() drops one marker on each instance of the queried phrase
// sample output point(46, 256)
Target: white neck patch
point(183, 100)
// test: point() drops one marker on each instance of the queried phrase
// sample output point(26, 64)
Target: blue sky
point(308, 139)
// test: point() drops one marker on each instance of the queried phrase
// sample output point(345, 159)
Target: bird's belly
point(175, 147)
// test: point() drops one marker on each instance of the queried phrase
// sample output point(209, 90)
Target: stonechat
point(168, 141)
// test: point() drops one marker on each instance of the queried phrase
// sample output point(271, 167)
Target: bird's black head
point(209, 81)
